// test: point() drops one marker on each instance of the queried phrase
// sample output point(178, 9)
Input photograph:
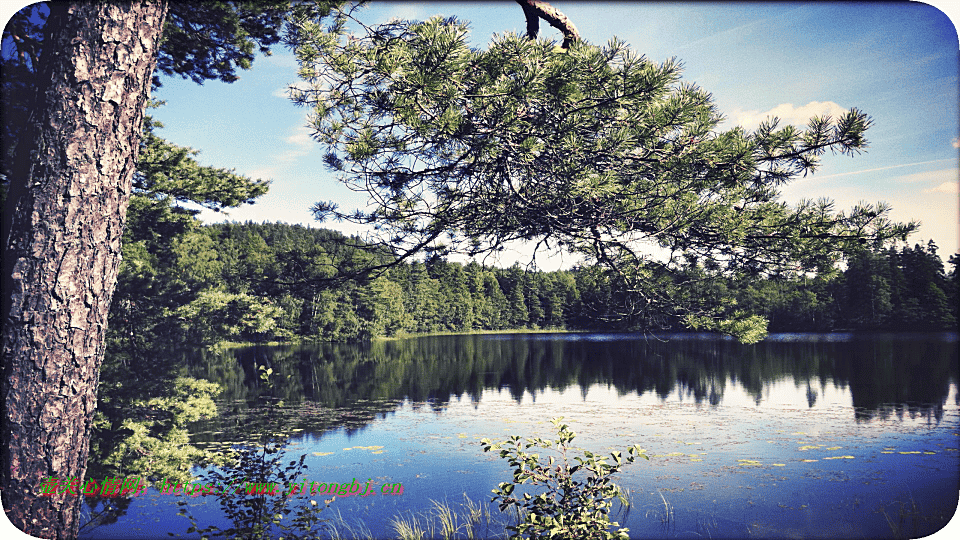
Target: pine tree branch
point(534, 10)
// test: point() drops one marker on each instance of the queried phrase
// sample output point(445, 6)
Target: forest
point(249, 282)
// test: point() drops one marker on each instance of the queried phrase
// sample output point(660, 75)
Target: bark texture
point(64, 219)
point(534, 10)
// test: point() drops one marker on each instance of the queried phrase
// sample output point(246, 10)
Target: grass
point(912, 522)
point(667, 519)
point(340, 529)
point(471, 520)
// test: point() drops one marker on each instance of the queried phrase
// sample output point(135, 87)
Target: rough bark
point(534, 10)
point(64, 219)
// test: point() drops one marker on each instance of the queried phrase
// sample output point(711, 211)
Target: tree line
point(273, 281)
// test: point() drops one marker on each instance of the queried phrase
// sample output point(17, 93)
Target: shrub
point(567, 508)
point(259, 513)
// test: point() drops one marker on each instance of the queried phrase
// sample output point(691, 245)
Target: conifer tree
point(589, 149)
point(86, 72)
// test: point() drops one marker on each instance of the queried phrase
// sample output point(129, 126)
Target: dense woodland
point(266, 282)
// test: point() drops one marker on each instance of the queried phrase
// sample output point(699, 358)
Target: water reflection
point(804, 435)
point(884, 376)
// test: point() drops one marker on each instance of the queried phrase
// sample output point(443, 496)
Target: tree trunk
point(64, 219)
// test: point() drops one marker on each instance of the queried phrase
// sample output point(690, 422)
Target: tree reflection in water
point(350, 385)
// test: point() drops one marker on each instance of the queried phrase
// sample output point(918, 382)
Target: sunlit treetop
point(590, 149)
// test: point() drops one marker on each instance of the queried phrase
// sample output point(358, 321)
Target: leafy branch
point(593, 150)
point(567, 507)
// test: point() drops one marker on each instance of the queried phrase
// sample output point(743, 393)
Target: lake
point(799, 436)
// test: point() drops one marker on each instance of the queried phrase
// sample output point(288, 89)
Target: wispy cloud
point(956, 143)
point(787, 113)
point(298, 144)
point(928, 176)
point(946, 187)
point(942, 181)
point(405, 11)
point(878, 169)
point(263, 172)
point(281, 58)
point(301, 139)
point(738, 32)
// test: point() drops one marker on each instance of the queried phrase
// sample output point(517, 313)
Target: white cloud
point(299, 145)
point(301, 138)
point(917, 177)
point(787, 113)
point(406, 11)
point(943, 180)
point(946, 187)
point(928, 177)
point(263, 172)
point(956, 143)
point(281, 58)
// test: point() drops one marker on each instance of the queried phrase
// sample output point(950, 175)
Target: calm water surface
point(800, 436)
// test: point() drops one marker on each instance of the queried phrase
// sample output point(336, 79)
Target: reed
point(468, 520)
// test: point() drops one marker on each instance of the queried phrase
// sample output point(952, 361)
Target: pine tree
point(87, 69)
point(76, 181)
point(590, 149)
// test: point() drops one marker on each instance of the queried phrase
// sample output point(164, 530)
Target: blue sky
point(896, 61)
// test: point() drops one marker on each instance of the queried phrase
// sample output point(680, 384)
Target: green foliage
point(567, 508)
point(167, 170)
point(272, 511)
point(166, 259)
point(216, 315)
point(201, 41)
point(596, 151)
point(745, 328)
point(210, 40)
point(146, 435)
point(906, 289)
point(381, 308)
point(256, 282)
point(22, 39)
point(261, 515)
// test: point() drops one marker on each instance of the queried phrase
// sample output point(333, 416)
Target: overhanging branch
point(534, 10)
